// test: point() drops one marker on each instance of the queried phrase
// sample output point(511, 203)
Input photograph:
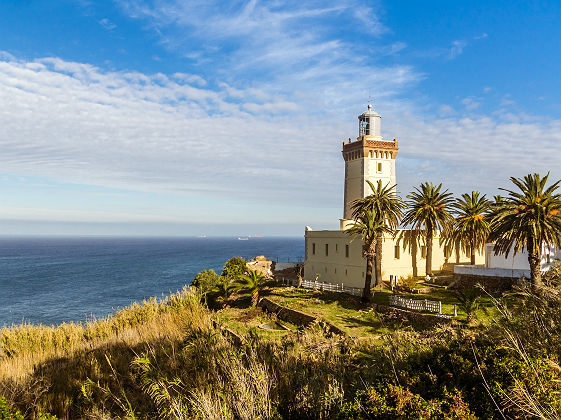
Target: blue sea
point(54, 280)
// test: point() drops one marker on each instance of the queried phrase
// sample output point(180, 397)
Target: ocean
point(53, 280)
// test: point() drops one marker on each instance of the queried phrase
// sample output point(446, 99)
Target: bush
point(407, 283)
point(234, 268)
point(206, 281)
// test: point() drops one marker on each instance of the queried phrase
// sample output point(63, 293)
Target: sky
point(155, 117)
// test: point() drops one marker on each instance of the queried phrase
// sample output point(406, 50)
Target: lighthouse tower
point(370, 158)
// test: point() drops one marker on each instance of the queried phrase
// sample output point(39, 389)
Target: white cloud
point(107, 24)
point(471, 103)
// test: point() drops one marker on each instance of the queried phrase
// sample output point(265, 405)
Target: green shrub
point(7, 412)
point(206, 280)
point(234, 268)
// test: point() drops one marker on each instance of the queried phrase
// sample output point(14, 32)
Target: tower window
point(313, 249)
point(396, 252)
point(379, 166)
point(326, 250)
point(347, 251)
point(336, 247)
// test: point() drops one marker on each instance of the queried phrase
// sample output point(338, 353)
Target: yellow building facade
point(336, 256)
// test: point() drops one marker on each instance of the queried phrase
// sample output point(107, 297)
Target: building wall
point(520, 260)
point(359, 170)
point(334, 266)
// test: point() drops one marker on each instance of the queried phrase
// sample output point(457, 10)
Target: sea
point(51, 280)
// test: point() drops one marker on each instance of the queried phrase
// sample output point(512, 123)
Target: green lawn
point(243, 320)
point(341, 309)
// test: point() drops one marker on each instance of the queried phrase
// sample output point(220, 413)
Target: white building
point(334, 255)
point(511, 266)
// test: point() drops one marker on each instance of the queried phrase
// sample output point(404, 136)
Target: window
point(336, 247)
point(347, 251)
point(335, 271)
point(326, 250)
point(423, 251)
point(396, 252)
point(379, 166)
point(313, 249)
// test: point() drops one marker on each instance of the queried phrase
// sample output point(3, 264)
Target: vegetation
point(168, 360)
point(368, 226)
point(469, 301)
point(206, 281)
point(472, 224)
point(428, 211)
point(252, 282)
point(234, 268)
point(387, 208)
point(528, 219)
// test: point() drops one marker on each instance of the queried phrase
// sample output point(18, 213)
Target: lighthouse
point(369, 158)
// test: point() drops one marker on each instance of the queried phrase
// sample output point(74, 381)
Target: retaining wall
point(295, 317)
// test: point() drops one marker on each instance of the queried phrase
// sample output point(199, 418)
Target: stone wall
point(419, 318)
point(491, 284)
point(295, 317)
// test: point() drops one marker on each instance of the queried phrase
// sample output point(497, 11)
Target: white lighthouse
point(370, 158)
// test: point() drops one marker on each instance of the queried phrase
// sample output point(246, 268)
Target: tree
point(472, 224)
point(386, 208)
point(367, 225)
point(252, 282)
point(223, 289)
point(234, 268)
point(428, 212)
point(528, 219)
point(205, 281)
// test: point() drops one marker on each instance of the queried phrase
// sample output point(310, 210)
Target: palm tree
point(367, 225)
point(472, 224)
point(428, 212)
point(387, 208)
point(223, 289)
point(252, 282)
point(528, 219)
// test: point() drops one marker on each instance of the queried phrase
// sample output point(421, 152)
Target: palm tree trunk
point(534, 259)
point(366, 293)
point(255, 298)
point(428, 269)
point(472, 251)
point(378, 258)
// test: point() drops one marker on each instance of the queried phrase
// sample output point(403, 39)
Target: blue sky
point(152, 117)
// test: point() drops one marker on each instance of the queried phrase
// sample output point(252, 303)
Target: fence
point(416, 304)
point(332, 287)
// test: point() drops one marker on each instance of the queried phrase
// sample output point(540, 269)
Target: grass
point(165, 359)
point(343, 310)
point(245, 321)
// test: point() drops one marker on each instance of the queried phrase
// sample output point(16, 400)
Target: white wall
point(474, 270)
point(520, 260)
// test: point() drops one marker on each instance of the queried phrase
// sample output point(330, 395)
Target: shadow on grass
point(344, 300)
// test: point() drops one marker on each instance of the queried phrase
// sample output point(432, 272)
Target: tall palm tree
point(472, 223)
point(387, 208)
point(367, 225)
point(528, 219)
point(253, 281)
point(428, 211)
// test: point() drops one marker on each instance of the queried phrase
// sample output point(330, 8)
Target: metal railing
point(331, 287)
point(416, 304)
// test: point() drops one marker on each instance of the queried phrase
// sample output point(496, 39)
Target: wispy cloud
point(107, 24)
